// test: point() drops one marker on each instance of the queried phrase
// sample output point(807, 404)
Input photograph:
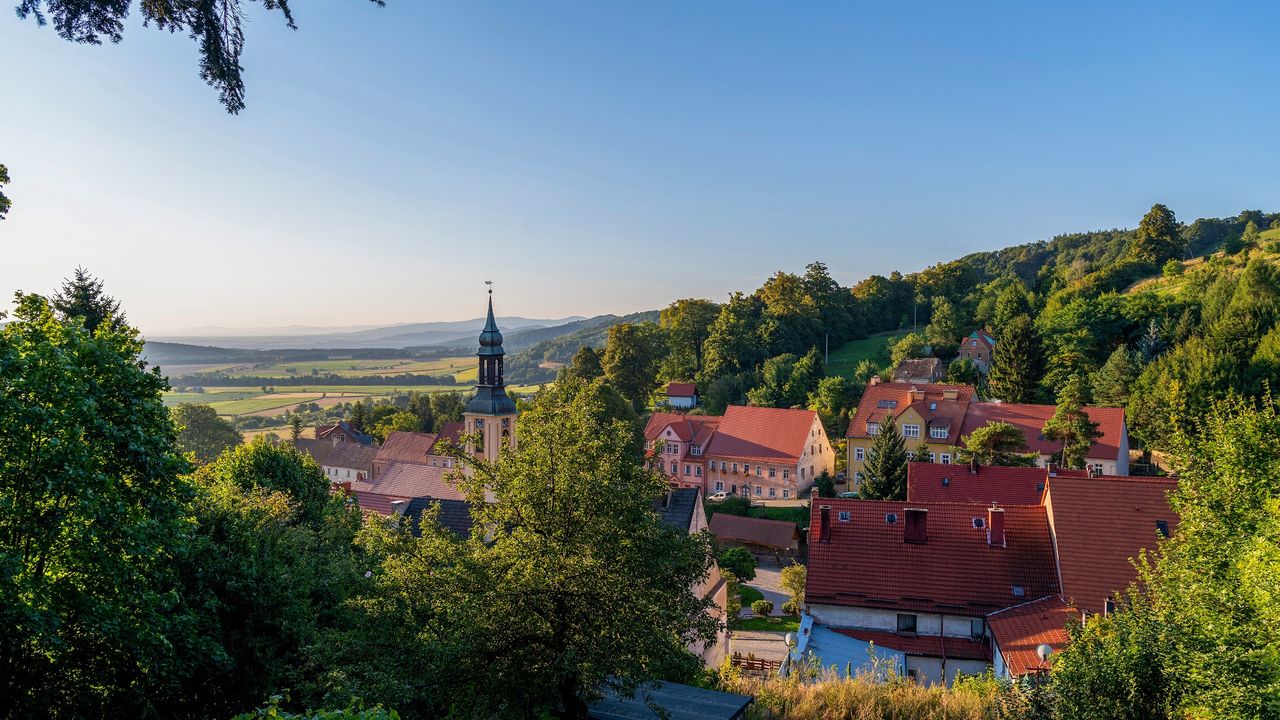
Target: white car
point(717, 497)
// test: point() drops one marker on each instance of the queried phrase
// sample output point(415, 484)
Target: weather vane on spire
point(490, 284)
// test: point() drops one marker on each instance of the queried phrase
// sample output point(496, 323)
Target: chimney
point(666, 500)
point(950, 394)
point(916, 527)
point(916, 394)
point(343, 487)
point(875, 380)
point(824, 524)
point(398, 507)
point(995, 526)
point(973, 465)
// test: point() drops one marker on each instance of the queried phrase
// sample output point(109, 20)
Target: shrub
point(738, 561)
point(790, 607)
point(1173, 268)
point(763, 608)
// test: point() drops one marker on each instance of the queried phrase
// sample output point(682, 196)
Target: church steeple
point(491, 394)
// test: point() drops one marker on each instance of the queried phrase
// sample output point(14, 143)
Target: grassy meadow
point(875, 347)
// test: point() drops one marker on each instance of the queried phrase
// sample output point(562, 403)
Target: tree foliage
point(202, 433)
point(1157, 238)
point(1016, 363)
point(687, 324)
point(216, 26)
point(82, 297)
point(997, 443)
point(739, 561)
point(5, 202)
point(631, 360)
point(1070, 425)
point(885, 471)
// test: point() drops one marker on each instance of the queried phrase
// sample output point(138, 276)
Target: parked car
point(719, 496)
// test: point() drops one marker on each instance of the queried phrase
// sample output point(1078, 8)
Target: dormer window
point(938, 432)
point(696, 450)
point(873, 428)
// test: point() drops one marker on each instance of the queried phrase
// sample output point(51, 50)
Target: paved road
point(769, 582)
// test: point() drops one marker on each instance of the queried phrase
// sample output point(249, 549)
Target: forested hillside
point(1079, 306)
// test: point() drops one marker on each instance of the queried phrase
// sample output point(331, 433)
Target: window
point(1109, 607)
point(759, 471)
point(759, 491)
point(859, 454)
point(1097, 468)
point(773, 472)
point(719, 486)
point(891, 518)
point(673, 467)
point(911, 431)
point(979, 523)
point(906, 623)
point(801, 473)
point(1019, 591)
point(873, 428)
point(786, 494)
point(735, 467)
point(696, 450)
point(844, 516)
point(977, 628)
point(938, 433)
point(946, 458)
point(686, 468)
point(933, 458)
point(1162, 527)
point(697, 470)
point(773, 493)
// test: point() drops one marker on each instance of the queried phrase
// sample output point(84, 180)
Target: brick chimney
point(824, 524)
point(875, 380)
point(916, 527)
point(916, 394)
point(995, 526)
point(973, 465)
point(950, 394)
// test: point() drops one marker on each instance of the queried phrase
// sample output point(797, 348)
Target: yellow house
point(929, 414)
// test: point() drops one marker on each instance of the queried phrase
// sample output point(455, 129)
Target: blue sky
point(598, 157)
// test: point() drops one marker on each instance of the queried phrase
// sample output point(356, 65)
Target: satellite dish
point(791, 639)
point(1043, 651)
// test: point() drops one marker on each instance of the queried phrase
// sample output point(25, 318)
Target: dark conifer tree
point(82, 297)
point(885, 473)
point(1017, 363)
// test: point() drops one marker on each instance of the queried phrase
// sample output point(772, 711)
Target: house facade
point(978, 347)
point(942, 416)
point(682, 509)
point(761, 453)
point(339, 459)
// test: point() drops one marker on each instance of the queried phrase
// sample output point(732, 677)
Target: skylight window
point(979, 523)
point(1019, 591)
point(844, 516)
point(891, 518)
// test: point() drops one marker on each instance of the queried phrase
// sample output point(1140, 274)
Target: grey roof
point(677, 507)
point(680, 702)
point(455, 515)
point(830, 649)
point(317, 449)
point(490, 400)
point(351, 455)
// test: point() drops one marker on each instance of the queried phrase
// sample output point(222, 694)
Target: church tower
point(490, 414)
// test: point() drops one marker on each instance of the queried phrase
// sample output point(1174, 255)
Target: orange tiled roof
point(1098, 525)
point(1031, 419)
point(757, 433)
point(403, 481)
point(866, 563)
point(883, 399)
point(411, 447)
point(929, 482)
point(1021, 629)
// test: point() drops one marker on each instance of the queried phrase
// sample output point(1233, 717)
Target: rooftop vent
point(891, 518)
point(933, 406)
point(844, 516)
point(979, 523)
point(946, 482)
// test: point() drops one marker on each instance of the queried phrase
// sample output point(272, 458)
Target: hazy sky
point(608, 157)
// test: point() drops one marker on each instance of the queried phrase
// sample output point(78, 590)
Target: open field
point(462, 368)
point(876, 347)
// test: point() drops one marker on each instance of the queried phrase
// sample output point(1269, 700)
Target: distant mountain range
point(407, 335)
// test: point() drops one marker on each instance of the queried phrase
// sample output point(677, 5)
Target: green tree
point(574, 586)
point(359, 418)
point(295, 427)
point(833, 400)
point(81, 296)
point(963, 371)
point(921, 453)
point(203, 433)
point(792, 579)
point(1172, 268)
point(403, 421)
point(630, 361)
point(908, 346)
point(786, 381)
point(1157, 238)
point(91, 514)
point(446, 407)
point(1016, 363)
point(944, 328)
point(261, 464)
point(997, 443)
point(420, 405)
point(739, 561)
point(1250, 237)
point(5, 203)
point(586, 364)
point(216, 28)
point(1010, 303)
point(1113, 382)
point(687, 324)
point(1070, 424)
point(734, 345)
point(884, 476)
point(825, 485)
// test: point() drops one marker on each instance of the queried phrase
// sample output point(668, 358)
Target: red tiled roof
point(1031, 419)
point(865, 563)
point(882, 399)
point(928, 645)
point(1098, 525)
point(1019, 630)
point(757, 433)
point(929, 482)
point(682, 390)
point(757, 531)
point(401, 447)
point(450, 432)
point(402, 481)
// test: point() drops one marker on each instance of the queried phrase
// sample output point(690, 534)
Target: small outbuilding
point(769, 537)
